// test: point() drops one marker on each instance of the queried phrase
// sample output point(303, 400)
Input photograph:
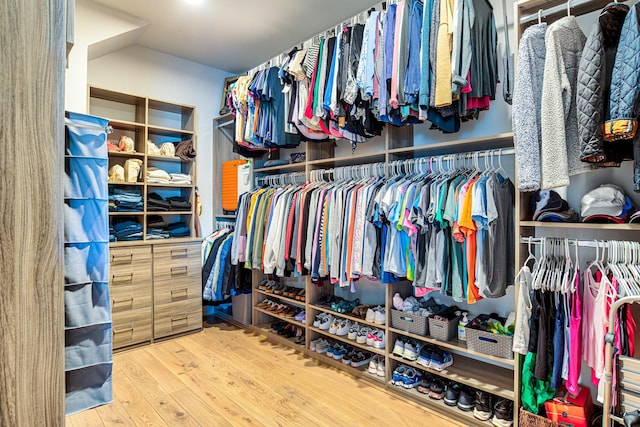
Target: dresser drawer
point(131, 327)
point(177, 270)
point(177, 252)
point(177, 317)
point(130, 297)
point(129, 255)
point(169, 291)
point(128, 275)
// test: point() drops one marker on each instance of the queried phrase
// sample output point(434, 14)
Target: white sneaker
point(353, 331)
point(363, 334)
point(371, 315)
point(379, 340)
point(411, 350)
point(312, 344)
point(398, 348)
point(371, 336)
point(343, 328)
point(380, 316)
point(334, 326)
point(380, 368)
point(373, 365)
point(326, 322)
point(322, 346)
point(318, 319)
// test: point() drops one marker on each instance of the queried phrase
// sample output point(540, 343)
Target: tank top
point(521, 334)
point(594, 313)
point(575, 331)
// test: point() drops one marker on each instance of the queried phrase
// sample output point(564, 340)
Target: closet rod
point(559, 9)
point(224, 124)
point(572, 242)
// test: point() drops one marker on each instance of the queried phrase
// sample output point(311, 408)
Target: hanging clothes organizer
point(88, 335)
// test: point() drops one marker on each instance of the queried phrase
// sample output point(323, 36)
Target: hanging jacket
point(594, 77)
point(625, 89)
point(527, 95)
point(560, 152)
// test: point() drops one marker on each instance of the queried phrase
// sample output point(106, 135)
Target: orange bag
point(230, 184)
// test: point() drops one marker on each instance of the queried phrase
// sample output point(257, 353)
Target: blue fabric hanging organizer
point(88, 330)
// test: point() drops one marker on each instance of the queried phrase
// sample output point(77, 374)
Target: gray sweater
point(560, 150)
point(527, 98)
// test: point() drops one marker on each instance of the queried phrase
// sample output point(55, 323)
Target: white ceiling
point(233, 35)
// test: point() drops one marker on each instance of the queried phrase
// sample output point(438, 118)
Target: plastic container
point(462, 327)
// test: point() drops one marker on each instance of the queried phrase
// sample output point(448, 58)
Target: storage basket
point(489, 343)
point(409, 322)
point(527, 419)
point(443, 330)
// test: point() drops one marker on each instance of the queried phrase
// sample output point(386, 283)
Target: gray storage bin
point(241, 308)
point(489, 343)
point(409, 322)
point(443, 330)
point(88, 387)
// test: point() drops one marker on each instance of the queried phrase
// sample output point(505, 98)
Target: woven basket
point(489, 343)
point(443, 330)
point(527, 419)
point(409, 322)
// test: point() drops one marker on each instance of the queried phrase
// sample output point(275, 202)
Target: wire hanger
point(568, 7)
point(540, 16)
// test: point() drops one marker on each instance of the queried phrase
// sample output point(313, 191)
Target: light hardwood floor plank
point(226, 376)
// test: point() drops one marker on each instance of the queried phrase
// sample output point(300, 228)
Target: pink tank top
point(575, 332)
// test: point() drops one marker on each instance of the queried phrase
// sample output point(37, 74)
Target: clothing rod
point(227, 123)
point(552, 10)
point(572, 242)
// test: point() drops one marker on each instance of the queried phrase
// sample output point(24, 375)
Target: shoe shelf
point(265, 329)
point(356, 372)
point(282, 298)
point(278, 316)
point(455, 344)
point(438, 405)
point(360, 320)
point(490, 378)
point(346, 340)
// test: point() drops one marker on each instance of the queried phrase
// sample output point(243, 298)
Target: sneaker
point(412, 350)
point(379, 340)
point(483, 409)
point(436, 391)
point(398, 348)
point(317, 320)
point(398, 374)
point(300, 317)
point(503, 413)
point(425, 356)
point(371, 336)
point(466, 400)
point(334, 325)
point(380, 367)
point(411, 378)
point(322, 347)
point(312, 344)
point(373, 364)
point(340, 351)
point(441, 360)
point(346, 359)
point(360, 359)
point(363, 333)
point(353, 331)
point(397, 301)
point(380, 316)
point(452, 394)
point(371, 315)
point(425, 384)
point(326, 322)
point(343, 328)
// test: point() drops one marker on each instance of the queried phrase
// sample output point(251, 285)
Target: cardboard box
point(571, 411)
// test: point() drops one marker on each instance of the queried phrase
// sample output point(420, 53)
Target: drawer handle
point(178, 252)
point(116, 257)
point(122, 277)
point(130, 330)
point(128, 300)
point(184, 290)
point(183, 269)
point(179, 319)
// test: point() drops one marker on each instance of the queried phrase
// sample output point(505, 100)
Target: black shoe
point(436, 391)
point(503, 413)
point(452, 394)
point(425, 384)
point(483, 409)
point(466, 400)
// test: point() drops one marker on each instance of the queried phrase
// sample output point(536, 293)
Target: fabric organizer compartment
point(87, 304)
point(88, 346)
point(88, 328)
point(86, 221)
point(85, 178)
point(86, 136)
point(86, 262)
point(88, 387)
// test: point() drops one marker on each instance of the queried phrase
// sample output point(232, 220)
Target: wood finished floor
point(227, 376)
